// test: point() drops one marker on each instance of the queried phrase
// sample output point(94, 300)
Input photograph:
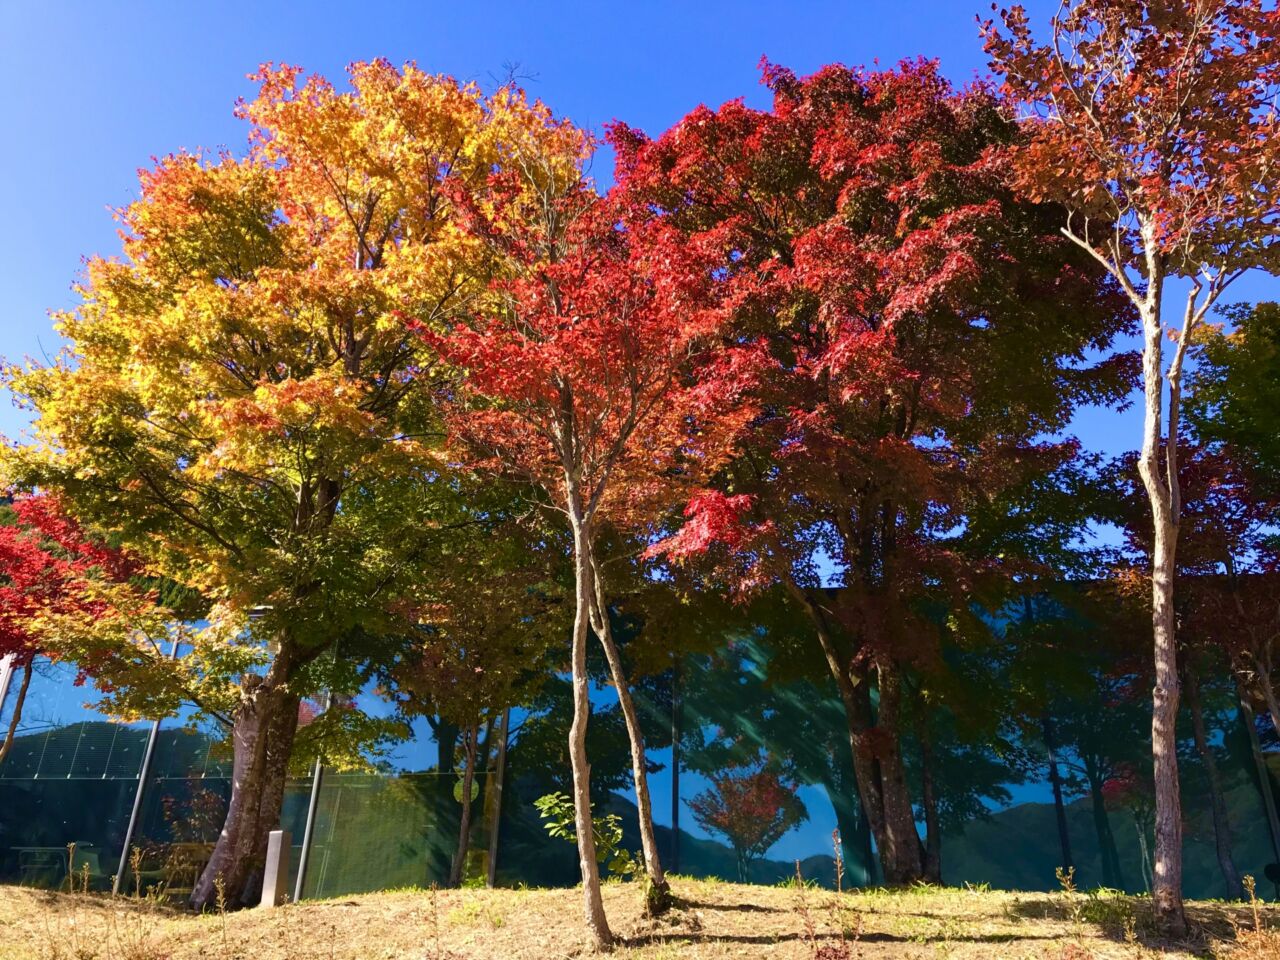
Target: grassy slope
point(714, 920)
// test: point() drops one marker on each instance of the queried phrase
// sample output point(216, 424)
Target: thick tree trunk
point(1218, 804)
point(19, 701)
point(1163, 496)
point(470, 738)
point(262, 740)
point(902, 856)
point(877, 759)
point(877, 764)
point(1111, 874)
point(1055, 778)
point(593, 904)
point(929, 800)
point(658, 894)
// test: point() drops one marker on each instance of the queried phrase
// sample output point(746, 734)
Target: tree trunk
point(19, 700)
point(933, 835)
point(658, 893)
point(877, 759)
point(262, 735)
point(901, 852)
point(1055, 778)
point(446, 745)
point(593, 904)
point(470, 738)
point(877, 765)
point(1143, 853)
point(1221, 824)
point(1163, 496)
point(677, 716)
point(1268, 691)
point(1263, 774)
point(495, 796)
point(1111, 874)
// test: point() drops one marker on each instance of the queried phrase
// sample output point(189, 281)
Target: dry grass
point(713, 920)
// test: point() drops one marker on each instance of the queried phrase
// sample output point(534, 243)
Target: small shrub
point(557, 809)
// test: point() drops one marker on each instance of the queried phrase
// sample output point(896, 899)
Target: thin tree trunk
point(1221, 823)
point(1163, 496)
point(446, 745)
point(658, 894)
point(929, 800)
point(1263, 781)
point(593, 904)
point(1111, 874)
point(470, 738)
point(19, 700)
point(1055, 778)
point(262, 739)
point(677, 711)
point(1269, 697)
point(1143, 853)
point(495, 794)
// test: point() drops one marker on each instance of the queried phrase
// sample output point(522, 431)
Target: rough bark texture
point(18, 701)
point(1162, 494)
point(902, 857)
point(262, 740)
point(593, 904)
point(470, 737)
point(1221, 824)
point(658, 893)
point(1055, 778)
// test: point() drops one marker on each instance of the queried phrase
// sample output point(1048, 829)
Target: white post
point(275, 880)
point(6, 671)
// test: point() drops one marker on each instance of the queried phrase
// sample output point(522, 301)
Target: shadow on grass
point(1125, 918)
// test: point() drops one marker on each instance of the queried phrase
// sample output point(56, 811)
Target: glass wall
point(70, 778)
point(751, 773)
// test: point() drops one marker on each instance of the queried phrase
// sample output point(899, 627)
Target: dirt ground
point(713, 920)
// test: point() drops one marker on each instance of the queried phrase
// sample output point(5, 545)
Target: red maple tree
point(909, 332)
point(48, 568)
point(580, 377)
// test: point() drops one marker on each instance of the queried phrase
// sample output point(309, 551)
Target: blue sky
point(96, 89)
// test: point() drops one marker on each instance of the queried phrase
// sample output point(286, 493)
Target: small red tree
point(1154, 123)
point(577, 380)
point(751, 807)
point(49, 568)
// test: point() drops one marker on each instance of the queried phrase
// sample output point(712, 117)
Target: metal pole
point(308, 831)
point(147, 757)
point(313, 804)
